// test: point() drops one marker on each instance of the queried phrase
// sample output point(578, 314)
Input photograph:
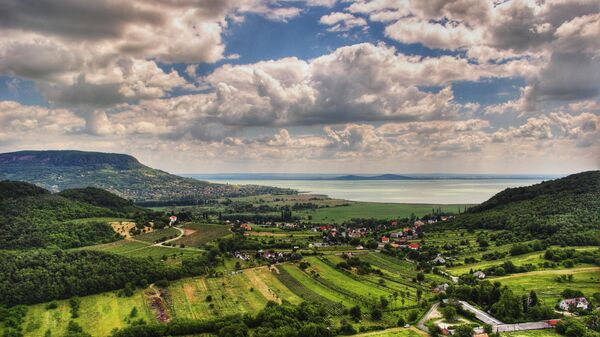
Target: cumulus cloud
point(341, 22)
point(107, 52)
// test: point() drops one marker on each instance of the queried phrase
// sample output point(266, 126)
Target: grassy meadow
point(108, 308)
point(547, 286)
point(375, 210)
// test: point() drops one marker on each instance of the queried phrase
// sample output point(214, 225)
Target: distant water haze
point(430, 190)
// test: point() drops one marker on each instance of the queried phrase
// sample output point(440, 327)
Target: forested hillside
point(563, 211)
point(121, 174)
point(31, 217)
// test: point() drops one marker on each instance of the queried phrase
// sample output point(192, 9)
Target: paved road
point(480, 314)
point(521, 326)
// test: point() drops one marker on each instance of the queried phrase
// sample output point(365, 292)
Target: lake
point(431, 191)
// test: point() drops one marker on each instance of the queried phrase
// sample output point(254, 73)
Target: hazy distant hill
point(378, 177)
point(121, 174)
point(561, 211)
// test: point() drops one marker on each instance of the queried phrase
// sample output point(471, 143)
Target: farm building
point(577, 302)
point(479, 274)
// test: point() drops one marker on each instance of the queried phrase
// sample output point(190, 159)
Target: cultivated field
point(140, 249)
point(197, 234)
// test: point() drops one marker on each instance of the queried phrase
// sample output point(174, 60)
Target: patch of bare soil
point(188, 231)
point(157, 299)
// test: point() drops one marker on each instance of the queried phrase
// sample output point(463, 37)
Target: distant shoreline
point(364, 177)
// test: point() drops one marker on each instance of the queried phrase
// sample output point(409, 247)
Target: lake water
point(438, 191)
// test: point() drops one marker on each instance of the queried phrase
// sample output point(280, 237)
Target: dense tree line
point(31, 217)
point(304, 320)
point(41, 275)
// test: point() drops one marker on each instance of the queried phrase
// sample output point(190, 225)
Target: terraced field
point(307, 288)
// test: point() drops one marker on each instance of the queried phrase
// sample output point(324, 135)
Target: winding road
point(161, 244)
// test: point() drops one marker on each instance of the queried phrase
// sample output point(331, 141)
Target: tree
point(464, 331)
point(356, 313)
point(509, 307)
point(449, 313)
point(376, 314)
point(533, 299)
point(384, 302)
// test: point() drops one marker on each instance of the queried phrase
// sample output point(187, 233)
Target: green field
point(109, 309)
point(230, 294)
point(535, 258)
point(546, 286)
point(157, 235)
point(198, 234)
point(389, 211)
point(139, 249)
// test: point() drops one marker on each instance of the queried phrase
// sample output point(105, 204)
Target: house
point(577, 302)
point(552, 322)
point(172, 220)
point(442, 288)
point(246, 227)
point(396, 235)
point(418, 223)
point(385, 239)
point(479, 274)
point(394, 223)
point(414, 246)
point(439, 260)
point(360, 247)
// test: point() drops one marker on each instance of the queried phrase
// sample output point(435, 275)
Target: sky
point(318, 86)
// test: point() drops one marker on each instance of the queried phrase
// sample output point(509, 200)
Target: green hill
point(562, 211)
point(118, 173)
point(31, 217)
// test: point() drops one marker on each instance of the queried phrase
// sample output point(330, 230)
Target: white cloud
point(341, 22)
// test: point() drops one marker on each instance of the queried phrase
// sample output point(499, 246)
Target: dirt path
point(181, 233)
point(427, 316)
